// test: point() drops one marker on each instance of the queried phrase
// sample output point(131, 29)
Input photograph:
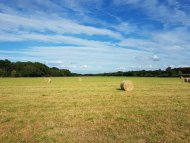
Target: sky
point(96, 36)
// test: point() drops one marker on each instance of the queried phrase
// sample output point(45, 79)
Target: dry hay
point(48, 80)
point(127, 85)
point(79, 79)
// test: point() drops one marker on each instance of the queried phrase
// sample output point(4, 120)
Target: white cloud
point(93, 60)
point(165, 42)
point(125, 27)
point(99, 59)
point(57, 25)
point(54, 39)
point(55, 62)
point(84, 66)
point(155, 58)
point(62, 23)
point(159, 11)
point(143, 44)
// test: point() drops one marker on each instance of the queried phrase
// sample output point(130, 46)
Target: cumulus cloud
point(54, 63)
point(155, 58)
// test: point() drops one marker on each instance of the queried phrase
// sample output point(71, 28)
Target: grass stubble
point(94, 110)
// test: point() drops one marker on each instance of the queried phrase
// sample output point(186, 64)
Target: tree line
point(168, 72)
point(29, 69)
point(36, 69)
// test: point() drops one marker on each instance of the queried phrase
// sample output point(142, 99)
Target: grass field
point(94, 110)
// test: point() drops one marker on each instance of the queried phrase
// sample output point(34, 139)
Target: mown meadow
point(94, 109)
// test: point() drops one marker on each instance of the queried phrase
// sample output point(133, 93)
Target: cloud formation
point(96, 36)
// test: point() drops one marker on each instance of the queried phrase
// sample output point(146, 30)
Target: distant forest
point(36, 69)
point(169, 72)
point(29, 69)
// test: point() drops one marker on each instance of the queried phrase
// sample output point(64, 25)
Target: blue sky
point(93, 36)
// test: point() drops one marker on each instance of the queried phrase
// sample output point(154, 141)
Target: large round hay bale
point(185, 79)
point(127, 85)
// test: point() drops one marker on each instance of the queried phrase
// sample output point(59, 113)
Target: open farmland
point(93, 109)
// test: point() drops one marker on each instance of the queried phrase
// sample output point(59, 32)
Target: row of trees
point(169, 72)
point(29, 69)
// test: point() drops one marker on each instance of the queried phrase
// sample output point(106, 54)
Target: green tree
point(169, 71)
point(180, 73)
point(13, 73)
point(2, 73)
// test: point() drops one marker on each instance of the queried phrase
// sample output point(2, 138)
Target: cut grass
point(94, 110)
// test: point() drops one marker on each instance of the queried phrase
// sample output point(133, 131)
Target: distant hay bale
point(49, 80)
point(187, 80)
point(127, 85)
point(79, 79)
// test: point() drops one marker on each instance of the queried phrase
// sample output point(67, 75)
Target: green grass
point(94, 110)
